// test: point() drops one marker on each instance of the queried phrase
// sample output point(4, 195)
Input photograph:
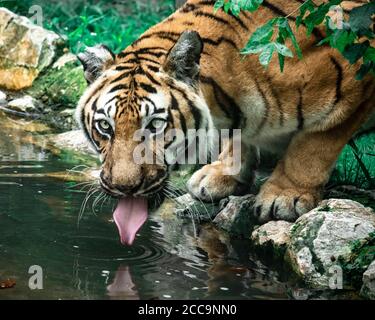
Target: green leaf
point(218, 5)
point(235, 9)
point(227, 6)
point(369, 55)
point(360, 18)
point(294, 41)
point(364, 70)
point(263, 34)
point(249, 5)
point(318, 15)
point(256, 48)
point(281, 62)
point(340, 39)
point(307, 6)
point(355, 51)
point(266, 55)
point(283, 50)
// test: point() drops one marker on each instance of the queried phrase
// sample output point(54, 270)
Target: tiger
point(187, 73)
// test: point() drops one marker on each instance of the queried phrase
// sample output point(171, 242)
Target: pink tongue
point(130, 214)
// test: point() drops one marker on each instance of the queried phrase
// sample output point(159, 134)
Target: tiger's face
point(132, 100)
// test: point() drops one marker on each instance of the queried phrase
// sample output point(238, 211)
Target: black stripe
point(118, 87)
point(206, 2)
point(153, 68)
point(155, 54)
point(151, 78)
point(149, 100)
point(266, 115)
point(147, 107)
point(160, 110)
point(211, 16)
point(109, 109)
point(170, 117)
point(101, 112)
point(300, 117)
point(196, 114)
point(124, 68)
point(95, 92)
point(230, 16)
point(175, 106)
point(122, 76)
point(226, 103)
point(160, 34)
point(275, 94)
point(221, 20)
point(149, 50)
point(188, 7)
point(148, 60)
point(94, 106)
point(273, 8)
point(147, 87)
point(338, 80)
point(240, 22)
point(219, 41)
point(194, 110)
point(124, 54)
point(136, 60)
point(84, 127)
point(173, 36)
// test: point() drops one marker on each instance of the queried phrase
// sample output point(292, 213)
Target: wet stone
point(235, 215)
point(322, 240)
point(192, 208)
point(25, 104)
point(368, 288)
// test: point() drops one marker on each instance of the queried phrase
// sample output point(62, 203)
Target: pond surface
point(169, 260)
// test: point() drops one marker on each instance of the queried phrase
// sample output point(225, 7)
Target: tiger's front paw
point(276, 203)
point(210, 184)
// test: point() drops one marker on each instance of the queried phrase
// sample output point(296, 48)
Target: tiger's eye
point(157, 123)
point(104, 125)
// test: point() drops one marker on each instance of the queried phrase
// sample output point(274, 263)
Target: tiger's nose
point(127, 188)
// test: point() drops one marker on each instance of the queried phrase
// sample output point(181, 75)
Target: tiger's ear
point(182, 62)
point(95, 61)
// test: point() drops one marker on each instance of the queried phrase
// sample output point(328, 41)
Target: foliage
point(60, 87)
point(351, 37)
point(363, 253)
point(356, 165)
point(87, 23)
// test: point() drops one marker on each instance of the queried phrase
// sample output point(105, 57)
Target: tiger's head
point(141, 90)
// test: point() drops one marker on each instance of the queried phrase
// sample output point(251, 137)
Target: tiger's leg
point(214, 181)
point(295, 187)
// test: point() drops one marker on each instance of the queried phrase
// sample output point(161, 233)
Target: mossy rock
point(60, 88)
point(362, 255)
point(328, 239)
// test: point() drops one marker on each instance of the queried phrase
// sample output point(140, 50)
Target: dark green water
point(38, 226)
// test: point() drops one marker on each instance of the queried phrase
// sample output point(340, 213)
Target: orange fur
point(306, 114)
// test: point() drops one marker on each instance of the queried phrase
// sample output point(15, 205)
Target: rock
point(67, 120)
point(274, 233)
point(322, 240)
point(25, 50)
point(74, 140)
point(192, 208)
point(25, 104)
point(3, 98)
point(60, 88)
point(368, 287)
point(235, 215)
point(65, 59)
